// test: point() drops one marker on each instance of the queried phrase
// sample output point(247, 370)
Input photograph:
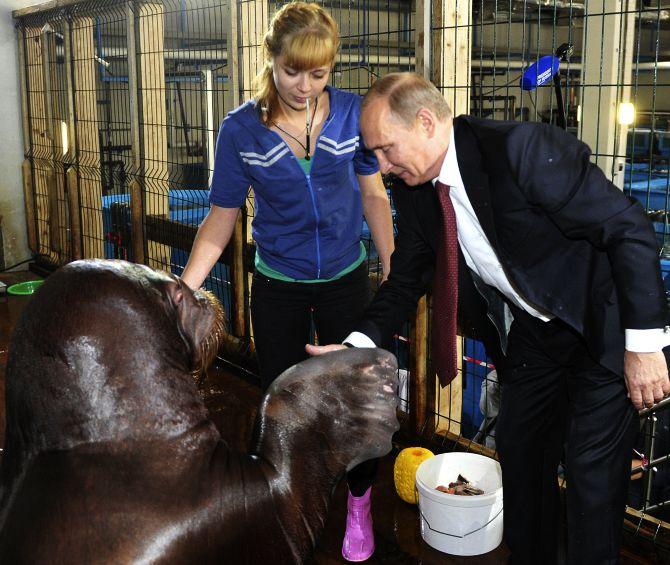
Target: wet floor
point(232, 402)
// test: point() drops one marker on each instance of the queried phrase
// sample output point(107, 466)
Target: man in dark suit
point(557, 271)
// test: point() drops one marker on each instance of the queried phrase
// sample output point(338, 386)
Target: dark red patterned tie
point(445, 292)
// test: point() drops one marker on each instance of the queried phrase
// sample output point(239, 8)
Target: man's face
point(407, 152)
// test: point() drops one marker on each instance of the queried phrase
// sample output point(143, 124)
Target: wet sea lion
point(110, 456)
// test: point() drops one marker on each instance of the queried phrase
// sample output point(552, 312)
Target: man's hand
point(646, 378)
point(321, 349)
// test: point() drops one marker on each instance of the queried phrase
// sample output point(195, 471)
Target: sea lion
point(110, 456)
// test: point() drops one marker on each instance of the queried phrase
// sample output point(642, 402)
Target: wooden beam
point(421, 387)
point(150, 26)
point(238, 322)
point(449, 400)
point(29, 198)
point(133, 89)
point(606, 65)
point(47, 48)
point(251, 24)
point(43, 7)
point(85, 137)
point(237, 273)
point(137, 221)
point(451, 52)
point(450, 71)
point(25, 115)
point(39, 150)
point(74, 213)
point(422, 35)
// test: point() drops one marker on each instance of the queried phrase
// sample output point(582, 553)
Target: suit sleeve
point(412, 268)
point(555, 173)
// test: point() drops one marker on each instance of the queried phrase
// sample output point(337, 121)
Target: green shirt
point(264, 269)
point(306, 165)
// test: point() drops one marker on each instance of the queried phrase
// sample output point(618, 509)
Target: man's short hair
point(406, 94)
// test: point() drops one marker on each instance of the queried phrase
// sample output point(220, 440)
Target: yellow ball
point(404, 471)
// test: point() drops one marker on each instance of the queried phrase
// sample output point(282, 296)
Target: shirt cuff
point(647, 341)
point(358, 339)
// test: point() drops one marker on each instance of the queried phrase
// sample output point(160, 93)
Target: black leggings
point(282, 314)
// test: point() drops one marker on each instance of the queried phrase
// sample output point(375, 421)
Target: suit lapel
point(476, 181)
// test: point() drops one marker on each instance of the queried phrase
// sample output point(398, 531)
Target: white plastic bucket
point(461, 525)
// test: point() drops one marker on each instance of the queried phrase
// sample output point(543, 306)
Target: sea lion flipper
point(346, 399)
point(320, 418)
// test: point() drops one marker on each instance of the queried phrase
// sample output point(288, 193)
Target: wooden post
point(238, 276)
point(449, 400)
point(137, 221)
point(451, 71)
point(451, 52)
point(607, 63)
point(422, 49)
point(421, 384)
point(85, 137)
point(421, 395)
point(25, 112)
point(39, 151)
point(238, 325)
point(626, 66)
point(26, 167)
point(133, 89)
point(233, 52)
point(47, 46)
point(29, 197)
point(253, 23)
point(250, 24)
point(153, 137)
point(74, 210)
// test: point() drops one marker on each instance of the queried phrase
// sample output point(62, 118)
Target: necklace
point(308, 129)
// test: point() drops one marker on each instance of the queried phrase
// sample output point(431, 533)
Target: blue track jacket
point(305, 226)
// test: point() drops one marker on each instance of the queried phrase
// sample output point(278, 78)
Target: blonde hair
point(406, 94)
point(307, 36)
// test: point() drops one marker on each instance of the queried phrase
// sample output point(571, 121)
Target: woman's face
point(294, 87)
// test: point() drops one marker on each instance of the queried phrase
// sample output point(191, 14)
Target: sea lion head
point(104, 352)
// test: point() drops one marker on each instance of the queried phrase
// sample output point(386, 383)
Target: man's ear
point(426, 121)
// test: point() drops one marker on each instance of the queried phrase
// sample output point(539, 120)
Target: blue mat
point(651, 193)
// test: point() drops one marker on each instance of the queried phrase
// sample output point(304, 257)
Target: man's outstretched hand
point(646, 378)
point(321, 349)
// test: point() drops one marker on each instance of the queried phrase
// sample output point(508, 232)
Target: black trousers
point(554, 395)
point(282, 314)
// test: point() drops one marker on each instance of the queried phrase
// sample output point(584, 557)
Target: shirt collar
point(449, 173)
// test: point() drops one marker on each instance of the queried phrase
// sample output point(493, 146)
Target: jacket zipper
point(311, 191)
point(313, 197)
point(318, 221)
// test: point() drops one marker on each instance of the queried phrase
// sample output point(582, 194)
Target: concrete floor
point(232, 402)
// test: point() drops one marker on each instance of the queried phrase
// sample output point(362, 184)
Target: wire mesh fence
point(123, 100)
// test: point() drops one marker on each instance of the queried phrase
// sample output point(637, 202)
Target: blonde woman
point(297, 144)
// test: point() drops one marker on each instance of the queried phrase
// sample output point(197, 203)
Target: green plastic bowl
point(24, 288)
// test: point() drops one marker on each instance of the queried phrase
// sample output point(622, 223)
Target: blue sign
point(540, 72)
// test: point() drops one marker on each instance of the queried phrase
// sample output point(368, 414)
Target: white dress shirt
point(483, 260)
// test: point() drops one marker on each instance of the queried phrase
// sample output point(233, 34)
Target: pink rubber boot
point(359, 539)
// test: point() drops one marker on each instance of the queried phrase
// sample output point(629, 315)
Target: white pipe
point(181, 54)
point(221, 55)
point(658, 65)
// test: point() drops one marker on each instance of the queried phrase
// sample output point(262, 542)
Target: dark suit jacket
point(568, 239)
